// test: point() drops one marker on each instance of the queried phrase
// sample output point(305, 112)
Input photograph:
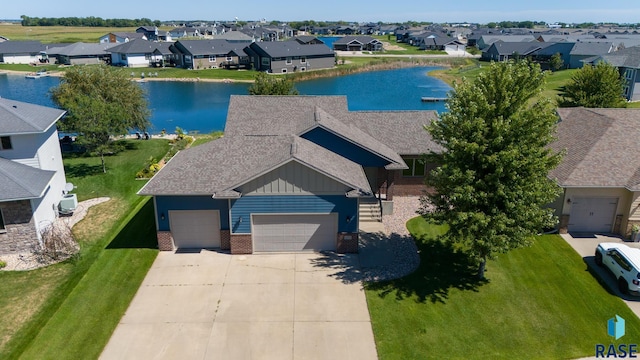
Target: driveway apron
point(210, 305)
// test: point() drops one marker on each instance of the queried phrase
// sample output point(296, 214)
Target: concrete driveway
point(211, 305)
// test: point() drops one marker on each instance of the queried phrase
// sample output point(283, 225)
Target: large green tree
point(272, 85)
point(491, 185)
point(101, 102)
point(599, 86)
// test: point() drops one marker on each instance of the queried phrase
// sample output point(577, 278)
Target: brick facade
point(165, 241)
point(225, 240)
point(20, 234)
point(241, 244)
point(347, 243)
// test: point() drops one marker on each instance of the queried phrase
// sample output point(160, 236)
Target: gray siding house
point(290, 56)
point(208, 54)
point(628, 63)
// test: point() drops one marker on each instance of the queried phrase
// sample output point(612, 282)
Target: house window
point(187, 58)
point(303, 60)
point(265, 61)
point(147, 56)
point(3, 229)
point(5, 143)
point(289, 61)
point(284, 70)
point(212, 58)
point(229, 58)
point(416, 167)
point(124, 56)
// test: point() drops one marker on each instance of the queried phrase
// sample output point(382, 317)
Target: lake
point(202, 106)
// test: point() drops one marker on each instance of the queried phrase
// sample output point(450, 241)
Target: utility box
point(68, 204)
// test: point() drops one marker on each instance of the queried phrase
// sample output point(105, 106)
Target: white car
point(623, 262)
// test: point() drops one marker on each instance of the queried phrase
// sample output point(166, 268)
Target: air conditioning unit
point(68, 204)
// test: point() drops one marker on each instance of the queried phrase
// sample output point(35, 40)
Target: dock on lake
point(433, 99)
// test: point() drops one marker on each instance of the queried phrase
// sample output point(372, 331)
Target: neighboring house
point(582, 51)
point(121, 37)
point(149, 32)
point(357, 43)
point(82, 53)
point(289, 175)
point(307, 40)
point(234, 37)
point(32, 176)
point(207, 54)
point(503, 51)
point(136, 53)
point(21, 52)
point(442, 43)
point(628, 63)
point(290, 56)
point(600, 171)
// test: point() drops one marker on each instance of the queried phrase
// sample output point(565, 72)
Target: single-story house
point(32, 177)
point(290, 56)
point(289, 175)
point(504, 51)
point(307, 40)
point(585, 50)
point(206, 54)
point(22, 52)
point(357, 43)
point(82, 53)
point(628, 63)
point(135, 53)
point(181, 32)
point(149, 32)
point(600, 172)
point(121, 37)
point(487, 40)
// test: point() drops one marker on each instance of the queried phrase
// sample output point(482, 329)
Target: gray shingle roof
point(291, 48)
point(20, 182)
point(80, 48)
point(17, 117)
point(219, 167)
point(629, 57)
point(363, 39)
point(21, 47)
point(601, 147)
point(591, 48)
point(138, 46)
point(522, 48)
point(209, 47)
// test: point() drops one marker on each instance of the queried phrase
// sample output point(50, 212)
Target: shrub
point(3, 264)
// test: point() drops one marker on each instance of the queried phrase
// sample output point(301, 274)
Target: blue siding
point(324, 204)
point(344, 148)
point(166, 203)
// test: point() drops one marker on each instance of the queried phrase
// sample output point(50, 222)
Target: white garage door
point(294, 232)
point(195, 228)
point(592, 214)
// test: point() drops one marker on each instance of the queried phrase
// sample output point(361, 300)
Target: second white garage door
point(294, 232)
point(195, 229)
point(592, 214)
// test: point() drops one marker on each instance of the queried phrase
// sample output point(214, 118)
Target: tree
point(272, 85)
point(101, 102)
point(491, 186)
point(599, 86)
point(555, 62)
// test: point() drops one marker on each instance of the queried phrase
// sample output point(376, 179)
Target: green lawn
point(540, 302)
point(68, 310)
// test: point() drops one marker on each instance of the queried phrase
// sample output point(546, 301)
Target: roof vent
point(294, 148)
point(15, 106)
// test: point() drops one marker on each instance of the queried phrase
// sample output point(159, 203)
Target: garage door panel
point(592, 214)
point(195, 228)
point(294, 232)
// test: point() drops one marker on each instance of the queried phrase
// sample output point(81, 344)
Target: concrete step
point(370, 212)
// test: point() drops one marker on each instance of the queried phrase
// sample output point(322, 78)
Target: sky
point(550, 11)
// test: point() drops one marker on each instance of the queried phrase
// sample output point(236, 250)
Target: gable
point(293, 178)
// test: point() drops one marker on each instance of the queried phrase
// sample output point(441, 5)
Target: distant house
point(183, 32)
point(290, 56)
point(21, 52)
point(206, 54)
point(504, 51)
point(82, 53)
point(121, 37)
point(357, 43)
point(582, 51)
point(32, 177)
point(487, 40)
point(307, 39)
point(150, 32)
point(135, 53)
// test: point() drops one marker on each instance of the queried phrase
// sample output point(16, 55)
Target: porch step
point(370, 212)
